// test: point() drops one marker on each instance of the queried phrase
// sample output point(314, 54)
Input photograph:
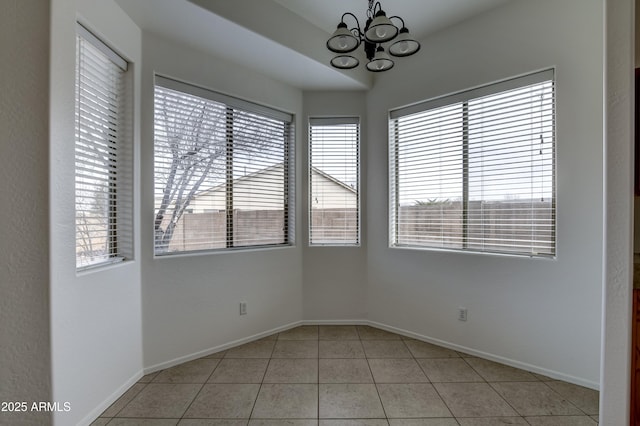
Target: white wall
point(530, 312)
point(95, 316)
point(616, 371)
point(191, 303)
point(335, 278)
point(95, 325)
point(24, 216)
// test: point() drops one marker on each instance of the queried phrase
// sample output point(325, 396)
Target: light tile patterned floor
point(349, 376)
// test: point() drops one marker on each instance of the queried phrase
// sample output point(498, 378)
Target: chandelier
point(377, 30)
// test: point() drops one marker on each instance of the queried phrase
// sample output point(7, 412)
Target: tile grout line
point(430, 382)
point(565, 399)
point(375, 384)
point(255, 401)
point(130, 401)
point(191, 403)
point(201, 388)
point(505, 400)
point(492, 388)
point(580, 412)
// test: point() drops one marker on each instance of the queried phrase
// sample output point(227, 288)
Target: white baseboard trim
point(336, 322)
point(480, 354)
point(223, 347)
point(89, 418)
point(95, 413)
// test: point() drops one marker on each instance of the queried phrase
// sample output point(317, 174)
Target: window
point(334, 179)
point(476, 170)
point(222, 171)
point(103, 178)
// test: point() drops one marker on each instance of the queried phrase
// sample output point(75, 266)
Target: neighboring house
point(330, 193)
point(333, 211)
point(267, 180)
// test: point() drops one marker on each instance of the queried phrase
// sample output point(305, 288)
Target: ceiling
point(285, 39)
point(422, 17)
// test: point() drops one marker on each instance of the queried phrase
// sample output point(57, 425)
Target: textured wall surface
point(24, 243)
point(337, 292)
point(96, 330)
point(531, 312)
point(616, 342)
point(190, 303)
point(25, 354)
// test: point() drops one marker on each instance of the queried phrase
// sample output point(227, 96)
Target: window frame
point(119, 143)
point(240, 105)
point(334, 121)
point(462, 98)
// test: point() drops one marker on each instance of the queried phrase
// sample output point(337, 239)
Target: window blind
point(334, 180)
point(222, 171)
point(103, 198)
point(476, 170)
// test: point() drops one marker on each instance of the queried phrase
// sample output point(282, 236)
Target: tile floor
point(348, 376)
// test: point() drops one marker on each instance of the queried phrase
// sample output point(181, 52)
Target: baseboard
point(223, 347)
point(95, 413)
point(336, 322)
point(480, 354)
point(89, 418)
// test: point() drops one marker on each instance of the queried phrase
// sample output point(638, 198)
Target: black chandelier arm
point(357, 22)
point(357, 33)
point(373, 9)
point(345, 40)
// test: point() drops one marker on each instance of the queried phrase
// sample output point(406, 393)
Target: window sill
point(222, 251)
point(113, 262)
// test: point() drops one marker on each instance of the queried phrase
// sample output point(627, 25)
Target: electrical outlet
point(462, 314)
point(243, 308)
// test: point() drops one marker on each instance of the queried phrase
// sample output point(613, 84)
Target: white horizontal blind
point(103, 205)
point(427, 178)
point(222, 171)
point(476, 170)
point(334, 181)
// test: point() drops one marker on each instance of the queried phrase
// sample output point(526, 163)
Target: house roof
point(333, 179)
point(273, 167)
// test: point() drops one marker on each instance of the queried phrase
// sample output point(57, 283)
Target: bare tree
point(196, 142)
point(92, 218)
point(187, 146)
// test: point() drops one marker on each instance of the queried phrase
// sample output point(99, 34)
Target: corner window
point(334, 181)
point(103, 178)
point(475, 170)
point(222, 171)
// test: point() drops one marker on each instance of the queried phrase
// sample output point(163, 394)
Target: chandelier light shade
point(404, 45)
point(342, 41)
point(345, 62)
point(378, 30)
point(380, 62)
point(381, 29)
